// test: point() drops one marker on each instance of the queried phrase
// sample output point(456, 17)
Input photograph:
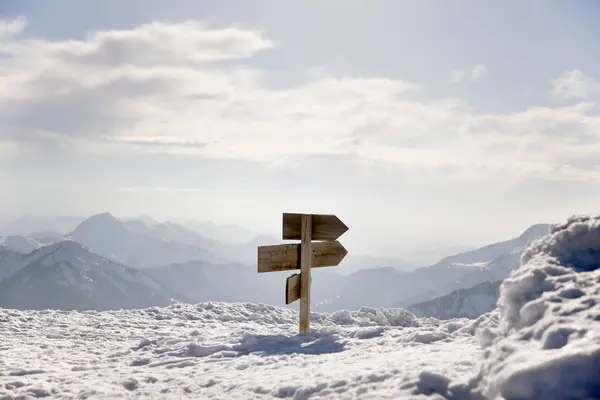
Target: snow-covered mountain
point(489, 263)
point(206, 269)
point(484, 255)
point(19, 243)
point(65, 275)
point(389, 286)
point(134, 243)
point(467, 303)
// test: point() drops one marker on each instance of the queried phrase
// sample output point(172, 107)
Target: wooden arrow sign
point(324, 227)
point(303, 256)
point(286, 257)
point(292, 288)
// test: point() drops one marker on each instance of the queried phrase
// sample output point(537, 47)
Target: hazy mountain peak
point(66, 275)
point(136, 244)
point(535, 231)
point(105, 224)
point(104, 217)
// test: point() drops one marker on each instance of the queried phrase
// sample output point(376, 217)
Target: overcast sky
point(415, 123)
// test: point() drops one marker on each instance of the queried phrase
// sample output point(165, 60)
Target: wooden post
point(305, 269)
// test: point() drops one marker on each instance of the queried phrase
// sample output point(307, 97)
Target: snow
point(233, 351)
point(542, 342)
point(478, 264)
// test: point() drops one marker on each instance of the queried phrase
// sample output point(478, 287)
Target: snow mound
point(543, 342)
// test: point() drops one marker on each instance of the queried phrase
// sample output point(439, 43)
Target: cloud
point(574, 84)
point(474, 73)
point(8, 29)
point(477, 71)
point(182, 87)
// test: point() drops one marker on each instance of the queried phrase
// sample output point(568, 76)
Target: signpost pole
point(305, 270)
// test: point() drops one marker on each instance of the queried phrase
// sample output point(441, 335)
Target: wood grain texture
point(305, 272)
point(292, 289)
point(324, 226)
point(286, 257)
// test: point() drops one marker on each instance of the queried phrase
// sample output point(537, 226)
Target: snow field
point(233, 351)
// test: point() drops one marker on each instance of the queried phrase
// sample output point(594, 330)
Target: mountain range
point(187, 266)
point(65, 275)
point(145, 243)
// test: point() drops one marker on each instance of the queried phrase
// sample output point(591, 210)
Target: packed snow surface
point(542, 342)
point(232, 351)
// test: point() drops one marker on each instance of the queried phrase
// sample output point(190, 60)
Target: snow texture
point(544, 340)
point(229, 350)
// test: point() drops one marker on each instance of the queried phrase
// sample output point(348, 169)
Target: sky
point(416, 124)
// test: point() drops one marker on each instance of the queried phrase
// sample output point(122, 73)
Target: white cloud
point(477, 71)
point(10, 28)
point(574, 84)
point(162, 87)
point(474, 73)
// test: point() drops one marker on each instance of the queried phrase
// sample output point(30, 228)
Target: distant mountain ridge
point(489, 263)
point(19, 243)
point(490, 252)
point(200, 269)
point(462, 303)
point(68, 276)
point(394, 288)
point(128, 244)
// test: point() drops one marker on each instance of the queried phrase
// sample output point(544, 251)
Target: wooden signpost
point(304, 255)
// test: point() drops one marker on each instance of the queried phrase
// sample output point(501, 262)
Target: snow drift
point(543, 341)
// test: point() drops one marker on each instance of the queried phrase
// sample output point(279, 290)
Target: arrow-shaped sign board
point(324, 227)
point(292, 288)
point(286, 257)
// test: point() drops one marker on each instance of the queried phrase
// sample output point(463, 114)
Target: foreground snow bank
point(228, 351)
point(543, 342)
